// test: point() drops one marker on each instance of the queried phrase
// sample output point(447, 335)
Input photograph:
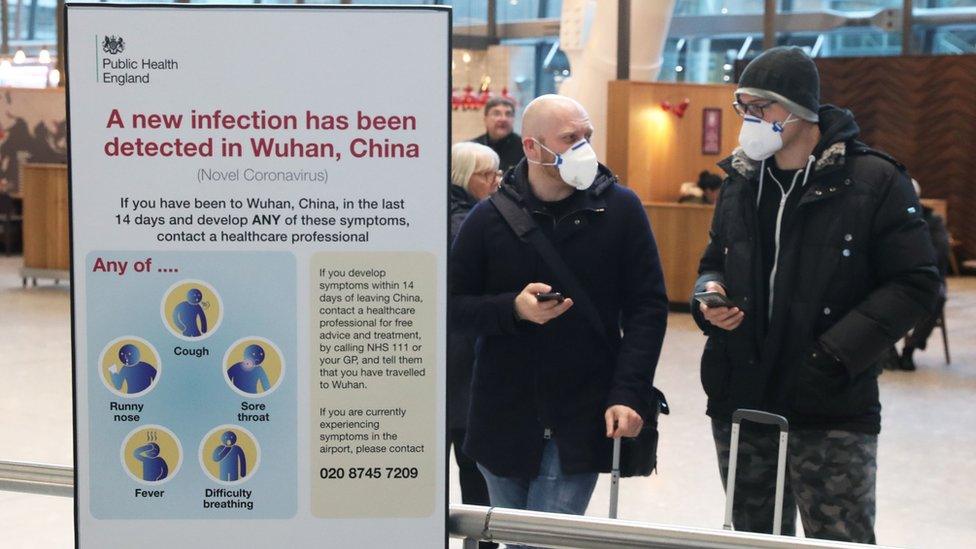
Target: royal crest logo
point(113, 45)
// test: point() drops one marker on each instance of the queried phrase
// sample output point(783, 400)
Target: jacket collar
point(460, 199)
point(485, 139)
point(516, 185)
point(837, 130)
point(833, 157)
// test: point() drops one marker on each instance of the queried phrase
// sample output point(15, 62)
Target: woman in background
point(474, 177)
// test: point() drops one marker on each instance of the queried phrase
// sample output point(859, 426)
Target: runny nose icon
point(133, 375)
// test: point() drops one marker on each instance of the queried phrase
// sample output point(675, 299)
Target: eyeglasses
point(490, 175)
point(752, 109)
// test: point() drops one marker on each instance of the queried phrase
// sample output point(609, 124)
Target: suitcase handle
point(615, 478)
point(765, 418)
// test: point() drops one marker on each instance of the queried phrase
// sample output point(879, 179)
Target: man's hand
point(622, 421)
point(722, 317)
point(527, 307)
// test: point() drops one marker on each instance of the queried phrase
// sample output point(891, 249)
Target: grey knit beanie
point(785, 74)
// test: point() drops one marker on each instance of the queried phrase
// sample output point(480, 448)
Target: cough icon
point(192, 310)
point(189, 317)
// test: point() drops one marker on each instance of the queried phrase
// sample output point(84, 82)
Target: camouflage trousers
point(830, 478)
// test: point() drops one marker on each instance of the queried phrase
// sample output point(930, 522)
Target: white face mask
point(760, 139)
point(577, 166)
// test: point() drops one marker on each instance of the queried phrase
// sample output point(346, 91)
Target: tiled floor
point(927, 467)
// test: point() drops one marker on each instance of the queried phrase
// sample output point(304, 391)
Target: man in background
point(500, 132)
point(919, 337)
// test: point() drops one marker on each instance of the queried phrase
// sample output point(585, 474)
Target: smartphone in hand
point(714, 299)
point(550, 296)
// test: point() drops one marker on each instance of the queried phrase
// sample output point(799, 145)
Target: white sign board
point(259, 224)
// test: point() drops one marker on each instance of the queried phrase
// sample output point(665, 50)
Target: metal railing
point(35, 478)
point(472, 523)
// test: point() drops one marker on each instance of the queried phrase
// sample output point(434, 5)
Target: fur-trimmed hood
point(837, 129)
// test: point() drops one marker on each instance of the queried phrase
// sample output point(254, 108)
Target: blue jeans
point(552, 491)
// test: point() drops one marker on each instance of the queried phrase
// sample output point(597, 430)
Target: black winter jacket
point(508, 148)
point(460, 346)
point(856, 271)
point(560, 375)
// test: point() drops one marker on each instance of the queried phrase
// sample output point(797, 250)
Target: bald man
point(557, 377)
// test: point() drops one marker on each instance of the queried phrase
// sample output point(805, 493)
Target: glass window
point(520, 10)
point(710, 55)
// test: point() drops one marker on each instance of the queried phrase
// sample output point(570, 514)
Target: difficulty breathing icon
point(134, 373)
point(189, 316)
point(230, 456)
point(246, 374)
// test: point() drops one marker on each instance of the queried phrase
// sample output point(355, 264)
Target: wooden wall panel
point(654, 151)
point(681, 231)
point(921, 110)
point(45, 192)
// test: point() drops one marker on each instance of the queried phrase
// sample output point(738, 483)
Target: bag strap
point(527, 230)
point(521, 222)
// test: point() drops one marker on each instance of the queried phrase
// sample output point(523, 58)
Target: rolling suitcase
point(765, 418)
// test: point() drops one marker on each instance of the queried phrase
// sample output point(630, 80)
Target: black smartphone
point(550, 296)
point(714, 299)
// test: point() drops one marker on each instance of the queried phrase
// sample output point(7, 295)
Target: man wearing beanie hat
point(819, 242)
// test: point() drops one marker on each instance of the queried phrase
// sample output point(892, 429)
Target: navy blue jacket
point(559, 376)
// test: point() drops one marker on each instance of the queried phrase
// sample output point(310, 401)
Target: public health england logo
point(113, 45)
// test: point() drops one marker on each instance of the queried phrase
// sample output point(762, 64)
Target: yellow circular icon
point(253, 366)
point(192, 310)
point(152, 454)
point(129, 366)
point(230, 454)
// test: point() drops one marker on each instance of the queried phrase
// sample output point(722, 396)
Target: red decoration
point(680, 109)
point(484, 97)
point(468, 100)
point(456, 99)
